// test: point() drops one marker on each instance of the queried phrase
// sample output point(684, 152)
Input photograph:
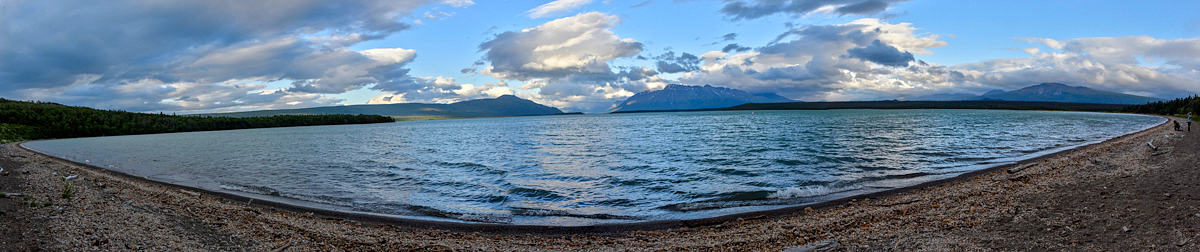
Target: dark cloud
point(863, 8)
point(637, 74)
point(669, 63)
point(70, 45)
point(643, 4)
point(729, 37)
point(735, 48)
point(825, 62)
point(882, 54)
point(741, 9)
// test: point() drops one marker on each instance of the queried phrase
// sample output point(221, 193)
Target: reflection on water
point(579, 170)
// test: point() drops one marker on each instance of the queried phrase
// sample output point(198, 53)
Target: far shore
point(1039, 207)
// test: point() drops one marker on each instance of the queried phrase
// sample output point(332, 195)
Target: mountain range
point(1046, 92)
point(684, 97)
point(505, 105)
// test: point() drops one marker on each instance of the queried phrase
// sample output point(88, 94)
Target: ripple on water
point(594, 169)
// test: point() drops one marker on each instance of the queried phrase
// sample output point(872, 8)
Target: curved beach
point(1115, 195)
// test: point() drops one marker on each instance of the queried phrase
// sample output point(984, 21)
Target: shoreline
point(599, 229)
point(503, 237)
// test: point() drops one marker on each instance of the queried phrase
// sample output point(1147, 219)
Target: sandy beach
point(1117, 195)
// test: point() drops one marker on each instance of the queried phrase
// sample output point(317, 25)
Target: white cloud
point(441, 89)
point(459, 3)
point(556, 7)
point(573, 45)
point(567, 62)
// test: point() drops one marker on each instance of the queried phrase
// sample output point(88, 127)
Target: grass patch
point(68, 189)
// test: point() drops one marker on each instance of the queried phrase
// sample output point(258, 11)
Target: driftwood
point(1019, 168)
point(1151, 144)
point(194, 194)
point(899, 203)
point(826, 245)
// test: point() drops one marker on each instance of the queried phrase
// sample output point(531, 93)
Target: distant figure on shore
point(1189, 121)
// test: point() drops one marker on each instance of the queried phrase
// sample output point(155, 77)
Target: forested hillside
point(21, 120)
point(1179, 106)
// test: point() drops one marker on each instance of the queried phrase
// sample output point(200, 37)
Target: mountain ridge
point(685, 97)
point(1046, 92)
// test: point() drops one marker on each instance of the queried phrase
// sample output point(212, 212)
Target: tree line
point(24, 120)
point(981, 104)
point(1180, 106)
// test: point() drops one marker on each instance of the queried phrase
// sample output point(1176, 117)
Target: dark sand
point(1114, 196)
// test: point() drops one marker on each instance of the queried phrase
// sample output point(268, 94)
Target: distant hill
point(1057, 92)
point(994, 91)
point(990, 104)
point(505, 105)
point(1046, 92)
point(22, 120)
point(944, 97)
point(684, 97)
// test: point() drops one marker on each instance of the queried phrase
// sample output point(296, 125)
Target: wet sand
point(1115, 195)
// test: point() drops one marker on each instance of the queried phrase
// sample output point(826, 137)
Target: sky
point(578, 55)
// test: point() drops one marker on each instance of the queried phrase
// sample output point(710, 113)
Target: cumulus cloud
point(581, 44)
point(566, 61)
point(741, 9)
point(555, 8)
point(881, 54)
point(859, 59)
point(51, 46)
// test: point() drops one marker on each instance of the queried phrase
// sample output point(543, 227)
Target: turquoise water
point(593, 169)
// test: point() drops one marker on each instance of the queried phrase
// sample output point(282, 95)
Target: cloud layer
point(196, 55)
point(223, 55)
point(1139, 65)
point(739, 9)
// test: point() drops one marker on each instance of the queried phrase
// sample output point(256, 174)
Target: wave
point(810, 191)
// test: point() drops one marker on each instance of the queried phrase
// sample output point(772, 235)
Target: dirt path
point(1113, 196)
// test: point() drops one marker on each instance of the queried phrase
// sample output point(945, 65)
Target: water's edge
point(417, 222)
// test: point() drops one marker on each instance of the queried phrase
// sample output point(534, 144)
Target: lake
point(595, 169)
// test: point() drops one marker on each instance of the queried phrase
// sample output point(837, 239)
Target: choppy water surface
point(592, 169)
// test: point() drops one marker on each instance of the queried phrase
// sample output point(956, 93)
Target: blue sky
point(579, 55)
